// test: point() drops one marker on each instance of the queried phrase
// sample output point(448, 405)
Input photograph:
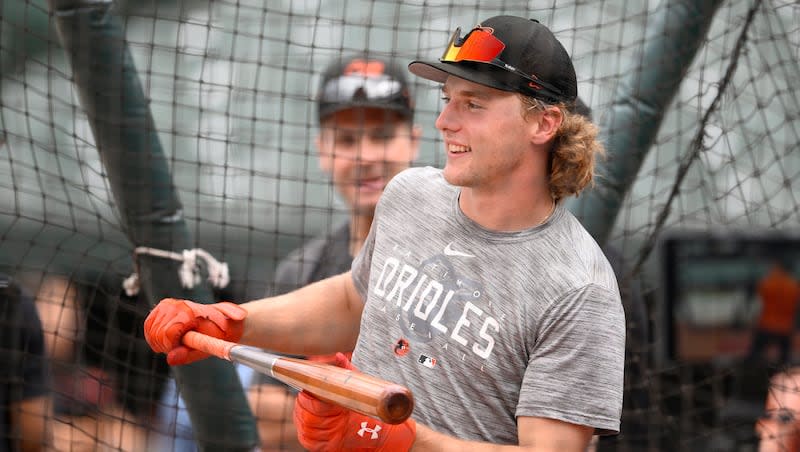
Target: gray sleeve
point(360, 269)
point(395, 194)
point(361, 264)
point(575, 371)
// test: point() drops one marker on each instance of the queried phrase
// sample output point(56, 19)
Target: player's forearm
point(321, 318)
point(429, 440)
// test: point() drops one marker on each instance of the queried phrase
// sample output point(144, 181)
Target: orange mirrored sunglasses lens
point(480, 46)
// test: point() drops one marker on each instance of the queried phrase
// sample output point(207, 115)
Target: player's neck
point(515, 213)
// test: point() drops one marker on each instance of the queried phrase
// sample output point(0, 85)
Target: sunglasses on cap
point(357, 87)
point(481, 46)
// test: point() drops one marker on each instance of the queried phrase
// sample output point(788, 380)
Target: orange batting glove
point(166, 324)
point(322, 426)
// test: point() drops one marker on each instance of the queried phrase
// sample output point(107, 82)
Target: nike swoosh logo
point(449, 251)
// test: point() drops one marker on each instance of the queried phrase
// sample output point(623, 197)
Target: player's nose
point(371, 151)
point(447, 119)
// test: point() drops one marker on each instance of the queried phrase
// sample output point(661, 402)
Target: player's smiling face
point(484, 131)
point(362, 149)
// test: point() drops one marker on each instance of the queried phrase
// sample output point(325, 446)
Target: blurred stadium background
point(208, 106)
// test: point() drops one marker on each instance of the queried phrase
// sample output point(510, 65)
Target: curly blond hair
point(575, 149)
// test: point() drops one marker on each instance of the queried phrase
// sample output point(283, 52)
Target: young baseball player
point(475, 287)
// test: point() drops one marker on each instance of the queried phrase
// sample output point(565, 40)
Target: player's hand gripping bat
point(389, 402)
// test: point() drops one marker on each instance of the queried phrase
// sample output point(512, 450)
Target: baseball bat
point(371, 396)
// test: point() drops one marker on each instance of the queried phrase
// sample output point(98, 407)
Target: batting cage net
point(167, 148)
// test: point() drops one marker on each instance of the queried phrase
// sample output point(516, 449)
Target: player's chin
point(454, 176)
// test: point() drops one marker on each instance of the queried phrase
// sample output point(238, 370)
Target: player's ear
point(544, 124)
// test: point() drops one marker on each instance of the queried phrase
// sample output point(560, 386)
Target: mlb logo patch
point(427, 361)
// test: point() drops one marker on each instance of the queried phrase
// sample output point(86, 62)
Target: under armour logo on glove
point(325, 427)
point(365, 429)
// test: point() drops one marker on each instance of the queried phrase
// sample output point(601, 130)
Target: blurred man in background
point(367, 135)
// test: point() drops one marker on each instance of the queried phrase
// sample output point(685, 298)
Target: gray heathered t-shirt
point(485, 326)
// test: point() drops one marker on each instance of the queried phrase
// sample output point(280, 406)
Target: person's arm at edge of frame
point(32, 417)
point(535, 434)
point(321, 318)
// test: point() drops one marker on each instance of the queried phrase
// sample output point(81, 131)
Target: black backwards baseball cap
point(366, 82)
point(507, 53)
